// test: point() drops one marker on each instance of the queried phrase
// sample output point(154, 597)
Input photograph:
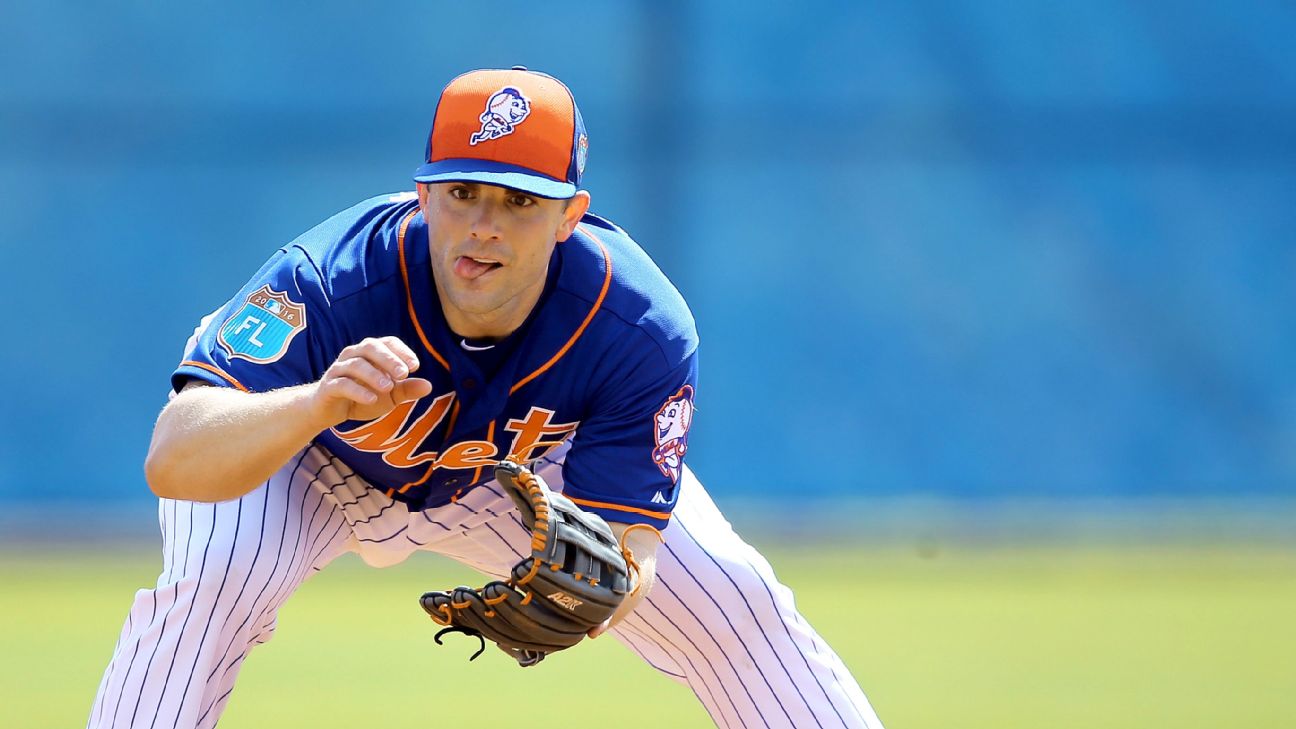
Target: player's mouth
point(472, 268)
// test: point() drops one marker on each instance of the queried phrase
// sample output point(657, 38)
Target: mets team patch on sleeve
point(262, 328)
point(671, 429)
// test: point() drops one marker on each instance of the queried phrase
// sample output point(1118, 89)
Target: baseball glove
point(576, 577)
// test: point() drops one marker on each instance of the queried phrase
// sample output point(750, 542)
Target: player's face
point(490, 250)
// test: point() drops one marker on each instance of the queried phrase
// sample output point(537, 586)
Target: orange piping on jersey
point(454, 414)
point(617, 507)
point(607, 282)
point(215, 371)
point(490, 438)
point(409, 296)
point(412, 484)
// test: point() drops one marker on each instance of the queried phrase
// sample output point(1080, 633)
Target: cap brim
point(495, 173)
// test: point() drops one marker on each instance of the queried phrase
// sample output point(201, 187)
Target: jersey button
point(469, 383)
point(452, 482)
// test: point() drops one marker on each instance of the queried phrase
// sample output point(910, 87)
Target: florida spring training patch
point(263, 327)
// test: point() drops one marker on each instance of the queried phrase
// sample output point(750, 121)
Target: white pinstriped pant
point(717, 620)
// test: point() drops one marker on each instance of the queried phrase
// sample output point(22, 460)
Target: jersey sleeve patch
point(670, 430)
point(626, 461)
point(262, 328)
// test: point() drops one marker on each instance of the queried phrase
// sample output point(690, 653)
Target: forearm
point(642, 543)
point(215, 443)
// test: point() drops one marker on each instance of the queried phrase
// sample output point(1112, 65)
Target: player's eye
point(460, 192)
point(521, 201)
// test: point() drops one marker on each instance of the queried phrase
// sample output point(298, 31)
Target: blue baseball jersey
point(608, 360)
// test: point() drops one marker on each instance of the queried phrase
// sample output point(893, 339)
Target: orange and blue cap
point(514, 128)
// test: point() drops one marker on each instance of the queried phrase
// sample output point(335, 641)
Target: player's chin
point(478, 298)
point(487, 290)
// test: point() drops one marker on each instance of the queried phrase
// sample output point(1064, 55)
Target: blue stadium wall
point(977, 250)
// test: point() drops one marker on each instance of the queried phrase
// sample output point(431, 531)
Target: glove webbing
point(540, 533)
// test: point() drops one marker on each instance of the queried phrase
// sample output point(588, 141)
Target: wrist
point(317, 413)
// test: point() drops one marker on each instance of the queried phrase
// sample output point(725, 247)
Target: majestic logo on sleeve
point(263, 327)
point(505, 109)
point(671, 427)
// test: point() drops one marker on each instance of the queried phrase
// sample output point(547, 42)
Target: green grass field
point(1098, 637)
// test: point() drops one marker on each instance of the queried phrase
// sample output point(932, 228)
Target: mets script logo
point(400, 434)
point(262, 328)
point(671, 432)
point(505, 109)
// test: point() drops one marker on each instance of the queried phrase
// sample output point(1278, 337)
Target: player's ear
point(577, 206)
point(422, 193)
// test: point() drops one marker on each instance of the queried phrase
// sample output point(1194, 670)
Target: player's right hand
point(368, 380)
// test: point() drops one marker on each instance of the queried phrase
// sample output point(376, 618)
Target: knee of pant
point(217, 565)
point(266, 633)
point(739, 630)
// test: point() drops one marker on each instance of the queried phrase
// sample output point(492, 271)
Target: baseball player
point(366, 387)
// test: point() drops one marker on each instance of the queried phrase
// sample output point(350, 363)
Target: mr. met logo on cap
point(473, 135)
point(505, 109)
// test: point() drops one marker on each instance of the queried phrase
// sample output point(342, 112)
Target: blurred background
point(997, 304)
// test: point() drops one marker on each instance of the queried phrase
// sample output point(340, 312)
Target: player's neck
point(495, 324)
point(483, 329)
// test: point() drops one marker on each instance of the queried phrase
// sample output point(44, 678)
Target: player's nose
point(485, 225)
